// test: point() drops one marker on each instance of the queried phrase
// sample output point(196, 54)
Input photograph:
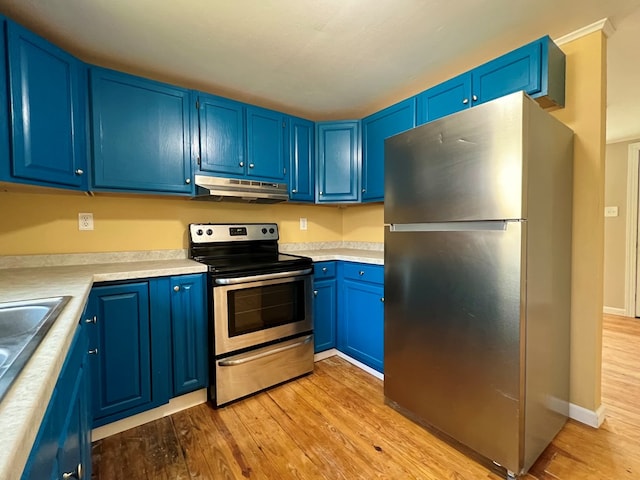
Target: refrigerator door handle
point(497, 225)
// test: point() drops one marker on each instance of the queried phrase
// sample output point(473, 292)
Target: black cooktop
point(241, 249)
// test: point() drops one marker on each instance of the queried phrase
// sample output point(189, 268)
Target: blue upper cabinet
point(301, 160)
point(266, 133)
point(375, 129)
point(338, 157)
point(140, 134)
point(538, 68)
point(47, 96)
point(444, 99)
point(221, 135)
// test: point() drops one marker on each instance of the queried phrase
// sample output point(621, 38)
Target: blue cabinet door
point(63, 442)
point(47, 98)
point(302, 162)
point(266, 132)
point(375, 129)
point(189, 333)
point(338, 157)
point(121, 349)
point(444, 99)
point(222, 135)
point(361, 322)
point(515, 71)
point(5, 166)
point(140, 134)
point(325, 306)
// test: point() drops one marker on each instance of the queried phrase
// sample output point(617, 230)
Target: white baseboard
point(614, 311)
point(588, 417)
point(332, 352)
point(175, 405)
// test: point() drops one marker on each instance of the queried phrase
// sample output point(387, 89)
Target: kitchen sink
point(22, 326)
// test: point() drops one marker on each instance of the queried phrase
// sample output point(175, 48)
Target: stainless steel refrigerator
point(478, 278)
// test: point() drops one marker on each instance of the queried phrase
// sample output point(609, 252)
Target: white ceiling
point(327, 58)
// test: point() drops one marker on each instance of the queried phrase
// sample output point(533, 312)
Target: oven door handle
point(258, 278)
point(240, 361)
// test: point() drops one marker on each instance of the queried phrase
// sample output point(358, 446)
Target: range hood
point(232, 189)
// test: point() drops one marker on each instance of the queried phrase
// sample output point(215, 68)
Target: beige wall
point(615, 228)
point(363, 223)
point(585, 114)
point(45, 223)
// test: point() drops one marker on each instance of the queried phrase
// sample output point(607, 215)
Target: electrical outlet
point(610, 211)
point(303, 223)
point(85, 221)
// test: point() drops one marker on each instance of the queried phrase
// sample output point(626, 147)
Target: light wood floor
point(334, 425)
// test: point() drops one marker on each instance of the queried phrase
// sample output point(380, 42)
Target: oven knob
point(271, 230)
point(199, 232)
point(209, 231)
point(264, 231)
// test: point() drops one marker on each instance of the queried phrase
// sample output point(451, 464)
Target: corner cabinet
point(538, 68)
point(47, 98)
point(361, 313)
point(62, 448)
point(140, 134)
point(189, 338)
point(338, 161)
point(302, 164)
point(375, 129)
point(325, 305)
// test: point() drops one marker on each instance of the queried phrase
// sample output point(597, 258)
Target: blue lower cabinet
point(63, 445)
point(361, 314)
point(128, 375)
point(189, 333)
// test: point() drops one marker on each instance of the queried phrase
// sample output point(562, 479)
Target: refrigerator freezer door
point(453, 303)
point(466, 166)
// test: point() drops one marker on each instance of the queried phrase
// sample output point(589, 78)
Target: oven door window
point(257, 308)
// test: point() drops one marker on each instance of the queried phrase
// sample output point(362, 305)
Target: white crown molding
point(603, 24)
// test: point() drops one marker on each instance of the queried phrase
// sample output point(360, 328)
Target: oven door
point(250, 311)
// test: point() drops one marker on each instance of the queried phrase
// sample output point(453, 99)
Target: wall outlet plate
point(303, 223)
point(610, 211)
point(85, 221)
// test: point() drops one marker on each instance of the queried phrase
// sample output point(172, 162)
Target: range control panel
point(218, 232)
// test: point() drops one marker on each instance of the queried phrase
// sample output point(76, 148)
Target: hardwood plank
point(334, 424)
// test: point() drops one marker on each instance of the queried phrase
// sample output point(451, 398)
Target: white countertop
point(375, 257)
point(23, 407)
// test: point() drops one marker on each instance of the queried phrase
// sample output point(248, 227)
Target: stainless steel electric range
point(260, 308)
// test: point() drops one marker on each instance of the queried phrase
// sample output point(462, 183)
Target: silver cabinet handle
point(361, 272)
point(94, 319)
point(93, 351)
point(187, 181)
point(364, 190)
point(321, 193)
point(240, 361)
point(294, 191)
point(324, 269)
point(77, 474)
point(176, 288)
point(251, 165)
point(315, 293)
point(241, 164)
point(474, 98)
point(465, 101)
point(382, 299)
point(79, 171)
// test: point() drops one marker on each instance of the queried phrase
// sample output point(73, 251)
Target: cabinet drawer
point(364, 272)
point(322, 270)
